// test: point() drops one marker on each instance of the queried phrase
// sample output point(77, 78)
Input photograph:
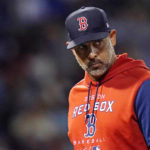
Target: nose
point(93, 51)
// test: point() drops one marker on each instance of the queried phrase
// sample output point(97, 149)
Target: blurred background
point(37, 72)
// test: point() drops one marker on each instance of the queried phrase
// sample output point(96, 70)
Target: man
point(110, 108)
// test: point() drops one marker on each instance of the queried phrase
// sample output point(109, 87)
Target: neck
point(97, 79)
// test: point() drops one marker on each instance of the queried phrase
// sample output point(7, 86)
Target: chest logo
point(91, 128)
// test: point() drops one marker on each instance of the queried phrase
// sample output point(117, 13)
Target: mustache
point(92, 62)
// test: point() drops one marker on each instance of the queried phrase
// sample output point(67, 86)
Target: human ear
point(73, 50)
point(67, 43)
point(113, 37)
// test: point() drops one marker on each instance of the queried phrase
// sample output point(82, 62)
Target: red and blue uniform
point(113, 113)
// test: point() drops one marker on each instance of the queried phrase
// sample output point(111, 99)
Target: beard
point(94, 71)
point(98, 72)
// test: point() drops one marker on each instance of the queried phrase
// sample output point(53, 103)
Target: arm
point(142, 110)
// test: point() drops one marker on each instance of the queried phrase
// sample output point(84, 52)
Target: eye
point(97, 42)
point(81, 47)
point(81, 50)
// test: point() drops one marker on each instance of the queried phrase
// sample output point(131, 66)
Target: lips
point(95, 64)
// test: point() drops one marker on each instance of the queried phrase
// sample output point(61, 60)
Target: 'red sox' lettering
point(104, 106)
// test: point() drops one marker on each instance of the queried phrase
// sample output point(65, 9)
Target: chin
point(97, 73)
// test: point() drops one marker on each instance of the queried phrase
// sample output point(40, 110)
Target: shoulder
point(140, 72)
point(139, 76)
point(78, 87)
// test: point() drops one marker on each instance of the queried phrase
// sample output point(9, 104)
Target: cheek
point(81, 62)
point(106, 54)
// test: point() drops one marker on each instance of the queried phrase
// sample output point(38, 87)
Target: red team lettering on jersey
point(82, 23)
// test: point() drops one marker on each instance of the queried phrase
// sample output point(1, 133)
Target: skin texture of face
point(96, 57)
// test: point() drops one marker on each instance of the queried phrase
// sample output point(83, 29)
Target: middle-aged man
point(109, 109)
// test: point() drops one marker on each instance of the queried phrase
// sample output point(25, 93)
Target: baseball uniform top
point(112, 113)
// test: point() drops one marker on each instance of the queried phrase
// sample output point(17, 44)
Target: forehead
point(94, 41)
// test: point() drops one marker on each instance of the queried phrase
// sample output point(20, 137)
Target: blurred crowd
point(37, 72)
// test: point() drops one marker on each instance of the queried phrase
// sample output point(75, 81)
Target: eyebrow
point(84, 44)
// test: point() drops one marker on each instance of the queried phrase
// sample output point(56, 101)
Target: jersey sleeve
point(142, 109)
